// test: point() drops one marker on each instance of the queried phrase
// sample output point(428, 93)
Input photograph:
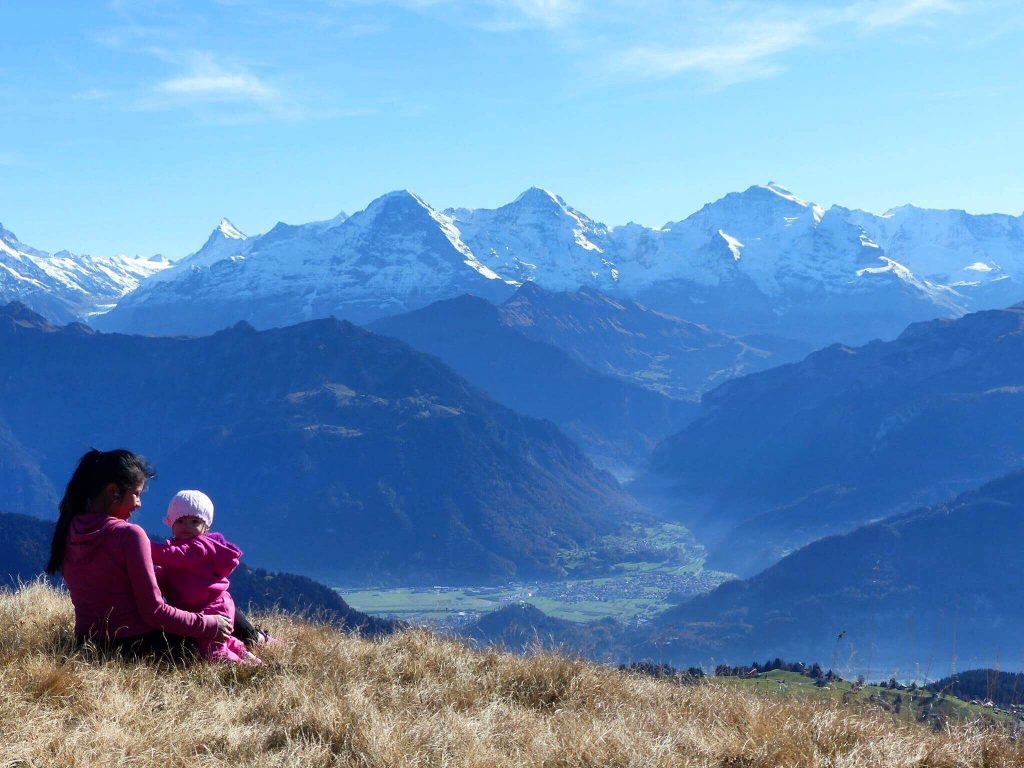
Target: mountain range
point(779, 458)
point(761, 261)
point(397, 254)
point(66, 287)
point(332, 451)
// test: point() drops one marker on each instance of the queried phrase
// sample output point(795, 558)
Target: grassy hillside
point(917, 704)
point(328, 699)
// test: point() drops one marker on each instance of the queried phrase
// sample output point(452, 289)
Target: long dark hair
point(95, 471)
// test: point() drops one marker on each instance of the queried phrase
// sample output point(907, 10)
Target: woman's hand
point(223, 628)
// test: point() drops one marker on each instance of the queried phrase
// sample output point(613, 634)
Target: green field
point(624, 577)
point(906, 704)
point(454, 605)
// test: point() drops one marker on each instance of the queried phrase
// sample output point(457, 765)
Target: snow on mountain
point(746, 262)
point(65, 287)
point(981, 256)
point(764, 260)
point(224, 242)
point(397, 254)
point(539, 237)
point(758, 261)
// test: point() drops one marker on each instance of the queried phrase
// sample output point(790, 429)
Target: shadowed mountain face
point(779, 458)
point(617, 422)
point(928, 587)
point(328, 450)
point(621, 338)
point(25, 548)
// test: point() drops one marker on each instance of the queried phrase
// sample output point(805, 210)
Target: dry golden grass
point(325, 699)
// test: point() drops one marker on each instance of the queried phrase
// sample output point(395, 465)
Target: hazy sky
point(134, 126)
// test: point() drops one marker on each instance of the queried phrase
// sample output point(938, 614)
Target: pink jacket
point(194, 572)
point(108, 570)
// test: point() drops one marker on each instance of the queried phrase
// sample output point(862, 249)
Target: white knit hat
point(188, 503)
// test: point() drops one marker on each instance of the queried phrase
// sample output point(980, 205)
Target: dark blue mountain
point(617, 422)
point(937, 587)
point(619, 337)
point(780, 458)
point(329, 450)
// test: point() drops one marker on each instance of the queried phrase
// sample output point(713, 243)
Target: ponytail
point(95, 471)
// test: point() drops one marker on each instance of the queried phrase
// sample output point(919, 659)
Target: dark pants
point(246, 632)
point(174, 649)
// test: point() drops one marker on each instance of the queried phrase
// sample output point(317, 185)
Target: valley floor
point(628, 578)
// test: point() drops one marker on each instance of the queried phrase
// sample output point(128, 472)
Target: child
point(193, 571)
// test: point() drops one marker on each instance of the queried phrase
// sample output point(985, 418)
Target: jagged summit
point(397, 197)
point(782, 192)
point(539, 196)
point(400, 203)
point(334, 221)
point(229, 230)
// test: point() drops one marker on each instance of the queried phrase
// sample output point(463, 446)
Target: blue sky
point(134, 126)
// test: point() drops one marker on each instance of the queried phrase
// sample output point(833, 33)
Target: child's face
point(189, 527)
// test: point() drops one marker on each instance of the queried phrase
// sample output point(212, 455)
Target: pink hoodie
point(193, 574)
point(108, 570)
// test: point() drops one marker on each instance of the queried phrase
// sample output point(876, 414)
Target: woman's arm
point(151, 605)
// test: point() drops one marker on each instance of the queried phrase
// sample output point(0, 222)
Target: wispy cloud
point(213, 84)
point(755, 47)
point(486, 15)
point(546, 13)
point(875, 15)
point(744, 53)
point(222, 90)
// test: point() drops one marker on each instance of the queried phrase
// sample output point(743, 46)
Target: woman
point(107, 565)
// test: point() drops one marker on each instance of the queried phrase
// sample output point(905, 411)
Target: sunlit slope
point(327, 699)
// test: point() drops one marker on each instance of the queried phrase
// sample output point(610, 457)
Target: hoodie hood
point(221, 557)
point(89, 529)
point(225, 557)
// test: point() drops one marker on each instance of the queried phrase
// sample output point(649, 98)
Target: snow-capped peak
point(784, 193)
point(230, 231)
point(398, 200)
point(535, 195)
point(816, 210)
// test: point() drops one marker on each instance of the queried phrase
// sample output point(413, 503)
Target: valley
point(629, 578)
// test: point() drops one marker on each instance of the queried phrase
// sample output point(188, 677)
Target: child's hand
point(223, 628)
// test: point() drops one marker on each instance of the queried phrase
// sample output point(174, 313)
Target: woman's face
point(124, 501)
